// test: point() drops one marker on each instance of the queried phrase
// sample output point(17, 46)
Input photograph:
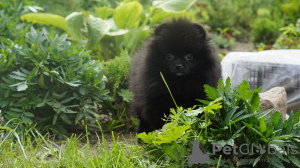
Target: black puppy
point(182, 52)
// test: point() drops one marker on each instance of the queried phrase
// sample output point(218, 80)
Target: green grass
point(76, 151)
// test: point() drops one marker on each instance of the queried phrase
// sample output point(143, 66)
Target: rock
point(275, 98)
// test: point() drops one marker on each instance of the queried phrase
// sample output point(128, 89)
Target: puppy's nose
point(179, 67)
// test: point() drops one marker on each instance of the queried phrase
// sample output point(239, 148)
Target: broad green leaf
point(74, 23)
point(54, 118)
point(228, 85)
point(127, 15)
point(67, 100)
point(171, 134)
point(214, 105)
point(45, 18)
point(65, 118)
point(16, 110)
point(83, 91)
point(17, 84)
point(275, 162)
point(6, 93)
point(254, 101)
point(73, 83)
point(117, 32)
point(276, 117)
point(279, 127)
point(14, 114)
point(20, 74)
point(56, 95)
point(290, 123)
point(211, 92)
point(104, 12)
point(256, 160)
point(18, 95)
point(17, 77)
point(282, 137)
point(235, 135)
point(126, 95)
point(238, 114)
point(71, 111)
point(244, 117)
point(161, 16)
point(6, 41)
point(294, 160)
point(25, 71)
point(250, 126)
point(221, 86)
point(297, 117)
point(230, 114)
point(147, 138)
point(26, 119)
point(175, 6)
point(194, 113)
point(243, 89)
point(41, 82)
point(97, 28)
point(22, 87)
point(168, 149)
point(28, 114)
point(264, 113)
point(79, 116)
point(262, 125)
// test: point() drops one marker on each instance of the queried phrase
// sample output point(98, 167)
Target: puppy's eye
point(169, 57)
point(188, 57)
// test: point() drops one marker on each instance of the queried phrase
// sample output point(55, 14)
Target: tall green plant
point(49, 83)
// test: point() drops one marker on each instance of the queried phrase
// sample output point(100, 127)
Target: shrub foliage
point(49, 83)
point(231, 118)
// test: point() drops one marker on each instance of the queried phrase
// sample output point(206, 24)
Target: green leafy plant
point(224, 39)
point(289, 38)
point(232, 117)
point(48, 82)
point(266, 30)
point(117, 72)
point(10, 12)
point(113, 29)
point(233, 14)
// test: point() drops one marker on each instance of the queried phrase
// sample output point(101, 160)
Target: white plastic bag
point(266, 69)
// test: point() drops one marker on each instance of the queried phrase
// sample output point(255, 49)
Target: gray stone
point(275, 98)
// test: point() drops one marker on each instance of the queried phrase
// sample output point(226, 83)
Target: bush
point(221, 14)
point(231, 118)
point(224, 39)
point(289, 38)
point(266, 30)
point(117, 72)
point(10, 12)
point(48, 82)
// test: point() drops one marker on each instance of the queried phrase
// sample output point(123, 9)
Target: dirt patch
point(243, 46)
point(238, 47)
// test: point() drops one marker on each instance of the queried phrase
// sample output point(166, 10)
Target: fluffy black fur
point(182, 52)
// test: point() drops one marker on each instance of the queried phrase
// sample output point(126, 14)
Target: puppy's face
point(179, 48)
point(179, 66)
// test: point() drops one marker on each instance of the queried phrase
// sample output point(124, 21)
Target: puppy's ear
point(159, 29)
point(201, 31)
